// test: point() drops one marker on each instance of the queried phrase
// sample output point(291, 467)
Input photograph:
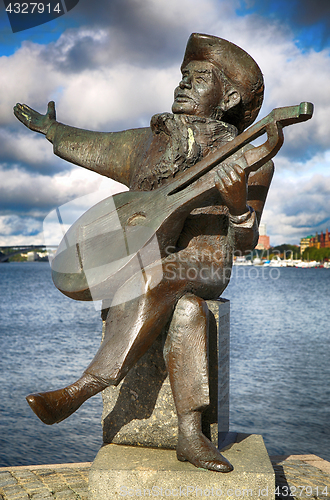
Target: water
point(280, 370)
point(47, 340)
point(280, 373)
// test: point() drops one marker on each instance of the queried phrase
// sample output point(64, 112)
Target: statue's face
point(199, 91)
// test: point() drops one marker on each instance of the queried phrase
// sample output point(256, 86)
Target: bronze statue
point(219, 96)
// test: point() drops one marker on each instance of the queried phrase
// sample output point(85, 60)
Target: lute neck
point(272, 124)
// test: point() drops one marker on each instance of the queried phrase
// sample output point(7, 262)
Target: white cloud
point(15, 230)
point(296, 207)
point(109, 92)
point(27, 148)
point(291, 75)
point(84, 188)
point(120, 94)
point(95, 87)
point(318, 164)
point(40, 193)
point(13, 224)
point(25, 77)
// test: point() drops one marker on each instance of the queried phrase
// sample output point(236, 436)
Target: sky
point(110, 65)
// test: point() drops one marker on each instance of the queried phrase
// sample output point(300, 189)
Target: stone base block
point(122, 471)
point(140, 411)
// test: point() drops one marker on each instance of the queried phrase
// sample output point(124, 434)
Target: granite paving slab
point(298, 477)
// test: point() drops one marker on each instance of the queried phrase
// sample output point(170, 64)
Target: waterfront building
point(325, 239)
point(263, 241)
point(305, 243)
point(319, 241)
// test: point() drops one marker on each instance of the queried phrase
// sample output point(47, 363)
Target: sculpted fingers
point(21, 111)
point(232, 173)
point(34, 120)
point(230, 180)
point(25, 114)
point(51, 110)
point(228, 175)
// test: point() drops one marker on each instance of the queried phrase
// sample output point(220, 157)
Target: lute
point(125, 233)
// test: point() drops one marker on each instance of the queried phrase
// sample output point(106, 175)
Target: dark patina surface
point(198, 189)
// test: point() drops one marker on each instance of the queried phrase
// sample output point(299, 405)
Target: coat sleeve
point(113, 154)
point(245, 228)
point(258, 186)
point(244, 231)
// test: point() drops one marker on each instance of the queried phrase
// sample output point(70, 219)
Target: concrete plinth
point(133, 472)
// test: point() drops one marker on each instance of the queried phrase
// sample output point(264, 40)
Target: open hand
point(34, 120)
point(230, 180)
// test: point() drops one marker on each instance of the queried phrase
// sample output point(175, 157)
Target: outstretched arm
point(34, 120)
point(113, 154)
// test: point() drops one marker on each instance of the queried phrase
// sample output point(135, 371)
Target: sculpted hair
point(245, 112)
point(236, 69)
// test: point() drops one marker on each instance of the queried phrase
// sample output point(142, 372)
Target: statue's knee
point(189, 322)
point(192, 308)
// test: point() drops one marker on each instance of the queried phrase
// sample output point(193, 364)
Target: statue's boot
point(54, 406)
point(185, 354)
point(194, 447)
point(130, 329)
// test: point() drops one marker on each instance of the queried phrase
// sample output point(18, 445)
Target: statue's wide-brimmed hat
point(237, 65)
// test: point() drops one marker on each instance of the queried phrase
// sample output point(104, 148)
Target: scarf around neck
point(179, 141)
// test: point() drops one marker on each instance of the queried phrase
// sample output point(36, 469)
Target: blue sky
point(110, 65)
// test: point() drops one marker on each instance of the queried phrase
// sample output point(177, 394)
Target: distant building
point(319, 241)
point(305, 243)
point(32, 256)
point(263, 241)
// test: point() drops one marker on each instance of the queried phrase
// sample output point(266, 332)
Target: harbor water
point(280, 369)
